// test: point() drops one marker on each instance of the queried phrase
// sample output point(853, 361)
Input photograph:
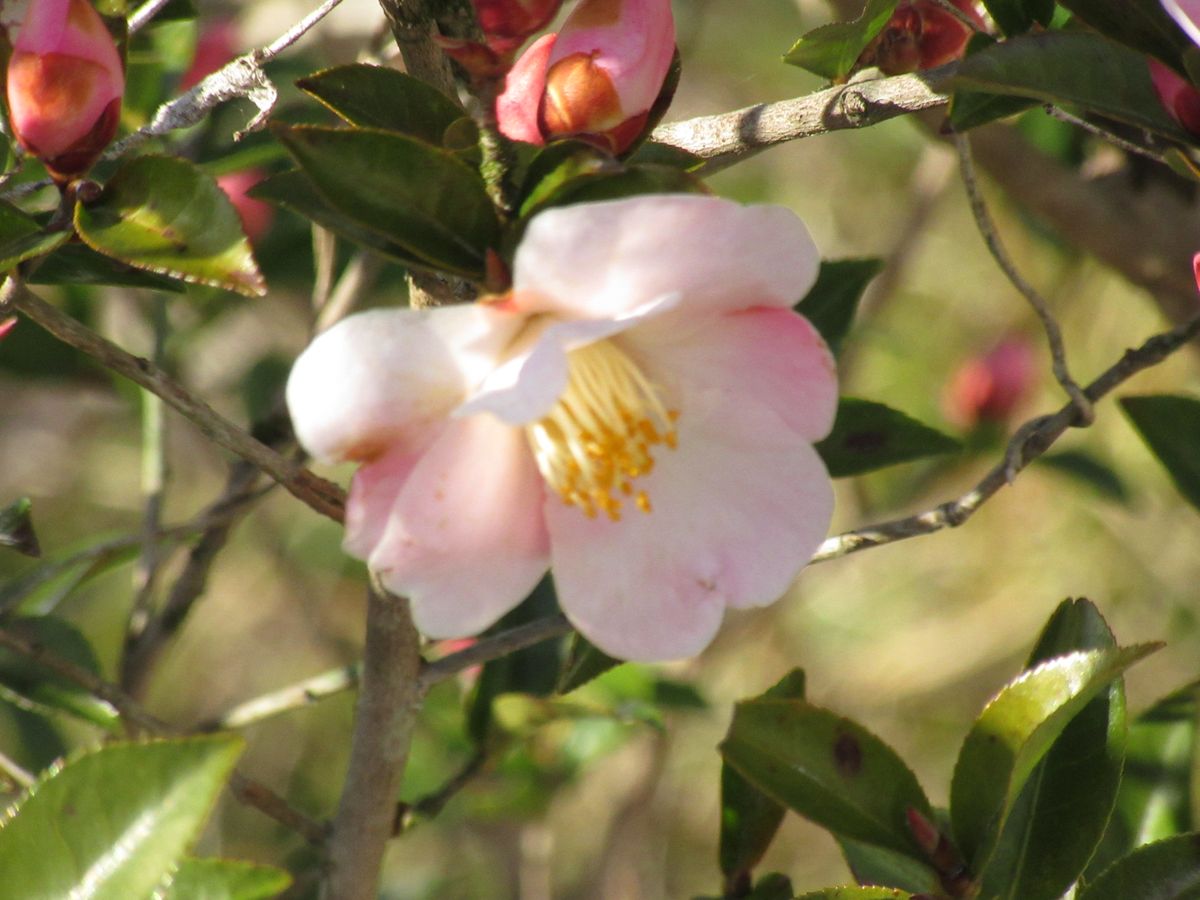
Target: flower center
point(600, 436)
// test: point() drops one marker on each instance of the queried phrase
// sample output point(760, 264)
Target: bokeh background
point(613, 792)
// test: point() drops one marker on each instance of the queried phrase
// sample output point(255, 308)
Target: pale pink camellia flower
point(596, 79)
point(990, 387)
point(1177, 95)
point(65, 83)
point(256, 215)
point(1187, 14)
point(637, 413)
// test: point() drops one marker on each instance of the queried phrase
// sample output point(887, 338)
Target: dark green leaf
point(826, 768)
point(1085, 468)
point(1061, 813)
point(532, 671)
point(383, 97)
point(1140, 24)
point(773, 886)
point(613, 184)
point(868, 436)
point(1076, 68)
point(583, 662)
point(878, 865)
point(831, 50)
point(79, 264)
point(831, 302)
point(1015, 732)
point(417, 196)
point(22, 238)
point(1170, 426)
point(111, 823)
point(749, 818)
point(1154, 799)
point(556, 165)
point(969, 109)
point(16, 528)
point(1018, 16)
point(164, 215)
point(656, 154)
point(1166, 870)
point(225, 879)
point(37, 688)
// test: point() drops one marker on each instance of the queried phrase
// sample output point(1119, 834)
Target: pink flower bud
point(65, 83)
point(989, 388)
point(596, 79)
point(256, 215)
point(1196, 269)
point(507, 23)
point(218, 44)
point(1178, 96)
point(921, 35)
point(7, 325)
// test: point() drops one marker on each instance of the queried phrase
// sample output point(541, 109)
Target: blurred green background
point(619, 799)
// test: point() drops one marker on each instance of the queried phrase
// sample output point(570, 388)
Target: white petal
point(1187, 14)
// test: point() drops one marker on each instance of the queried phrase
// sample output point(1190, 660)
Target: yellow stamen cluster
point(600, 435)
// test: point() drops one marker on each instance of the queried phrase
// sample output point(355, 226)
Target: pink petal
point(518, 104)
point(373, 493)
point(738, 509)
point(1187, 14)
point(598, 260)
point(387, 376)
point(769, 356)
point(466, 541)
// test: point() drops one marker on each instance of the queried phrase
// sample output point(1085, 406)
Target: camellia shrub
point(419, 443)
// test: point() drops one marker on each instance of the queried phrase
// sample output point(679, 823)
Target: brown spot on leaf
point(847, 755)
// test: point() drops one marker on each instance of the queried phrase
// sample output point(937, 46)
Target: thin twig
point(493, 647)
point(960, 15)
point(294, 696)
point(987, 229)
point(1116, 140)
point(389, 697)
point(13, 772)
point(1031, 441)
point(323, 496)
point(143, 14)
point(357, 278)
point(247, 790)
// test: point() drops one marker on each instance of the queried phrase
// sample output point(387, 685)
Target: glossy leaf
point(79, 264)
point(1166, 870)
point(38, 590)
point(556, 165)
point(22, 238)
point(294, 191)
point(1140, 24)
point(1154, 800)
point(750, 818)
point(16, 528)
point(970, 109)
point(831, 302)
point(111, 823)
point(1015, 732)
point(878, 865)
point(1170, 426)
point(1076, 68)
point(868, 436)
point(856, 893)
point(1018, 16)
point(417, 196)
point(610, 184)
point(36, 688)
point(165, 215)
point(826, 768)
point(1062, 811)
point(225, 879)
point(832, 50)
point(382, 97)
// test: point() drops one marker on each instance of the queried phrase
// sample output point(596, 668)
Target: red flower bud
point(256, 214)
point(596, 79)
point(921, 35)
point(1177, 95)
point(989, 388)
point(506, 24)
point(65, 83)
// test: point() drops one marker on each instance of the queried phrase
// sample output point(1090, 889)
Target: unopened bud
point(506, 24)
point(256, 215)
point(7, 325)
point(596, 79)
point(921, 34)
point(65, 83)
point(989, 388)
point(1178, 96)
